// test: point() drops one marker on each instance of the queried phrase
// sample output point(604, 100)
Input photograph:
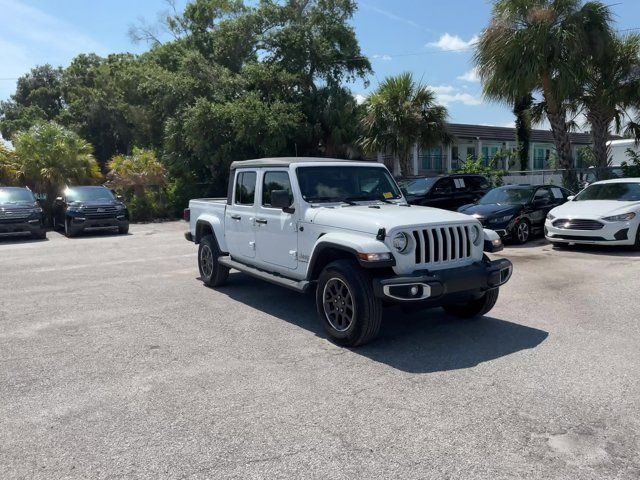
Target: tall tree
point(51, 157)
point(611, 90)
point(522, 111)
point(400, 114)
point(539, 46)
point(8, 166)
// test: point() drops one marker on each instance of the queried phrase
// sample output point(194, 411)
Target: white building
point(618, 150)
point(486, 142)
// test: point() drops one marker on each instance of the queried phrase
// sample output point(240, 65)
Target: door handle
point(236, 217)
point(261, 221)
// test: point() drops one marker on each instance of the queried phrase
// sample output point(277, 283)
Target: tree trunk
point(406, 167)
point(599, 135)
point(563, 148)
point(523, 129)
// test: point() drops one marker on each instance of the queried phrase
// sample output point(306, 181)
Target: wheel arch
point(209, 225)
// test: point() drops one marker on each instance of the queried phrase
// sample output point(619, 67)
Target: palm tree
point(522, 111)
point(51, 157)
point(611, 89)
point(539, 46)
point(8, 166)
point(138, 171)
point(400, 114)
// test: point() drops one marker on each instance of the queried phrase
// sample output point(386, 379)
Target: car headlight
point(620, 218)
point(475, 235)
point(401, 242)
point(502, 219)
point(550, 217)
point(120, 207)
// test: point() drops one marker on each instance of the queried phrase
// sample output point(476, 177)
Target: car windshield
point(623, 191)
point(16, 195)
point(90, 194)
point(507, 196)
point(417, 186)
point(339, 184)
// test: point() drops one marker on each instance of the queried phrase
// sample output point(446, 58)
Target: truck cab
point(344, 228)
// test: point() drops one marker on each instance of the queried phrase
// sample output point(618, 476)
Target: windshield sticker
point(387, 195)
point(459, 182)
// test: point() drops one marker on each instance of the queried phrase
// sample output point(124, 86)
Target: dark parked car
point(517, 211)
point(83, 208)
point(20, 212)
point(449, 192)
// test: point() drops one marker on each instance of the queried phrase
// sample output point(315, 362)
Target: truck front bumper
point(444, 286)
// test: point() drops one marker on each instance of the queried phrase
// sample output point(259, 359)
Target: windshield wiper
point(330, 200)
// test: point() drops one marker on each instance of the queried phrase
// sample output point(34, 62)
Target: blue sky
point(430, 38)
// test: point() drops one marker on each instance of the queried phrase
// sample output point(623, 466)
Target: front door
point(276, 232)
point(240, 216)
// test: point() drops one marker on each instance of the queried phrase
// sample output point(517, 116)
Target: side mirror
point(281, 199)
point(120, 198)
point(58, 199)
point(570, 198)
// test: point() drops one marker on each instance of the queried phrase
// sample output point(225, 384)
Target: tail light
point(186, 214)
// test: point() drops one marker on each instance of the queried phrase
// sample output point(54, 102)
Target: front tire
point(522, 232)
point(40, 234)
point(69, 231)
point(347, 308)
point(211, 272)
point(123, 230)
point(475, 308)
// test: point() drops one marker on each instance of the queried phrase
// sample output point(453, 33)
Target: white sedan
point(604, 213)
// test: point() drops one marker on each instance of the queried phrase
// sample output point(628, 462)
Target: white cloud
point(448, 94)
point(452, 43)
point(360, 99)
point(470, 76)
point(386, 58)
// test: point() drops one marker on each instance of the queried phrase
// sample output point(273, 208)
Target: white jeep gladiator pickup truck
point(345, 229)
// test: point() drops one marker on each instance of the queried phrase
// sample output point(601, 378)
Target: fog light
point(414, 291)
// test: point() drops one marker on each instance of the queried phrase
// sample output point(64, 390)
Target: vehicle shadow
point(604, 250)
point(21, 239)
point(419, 342)
point(94, 233)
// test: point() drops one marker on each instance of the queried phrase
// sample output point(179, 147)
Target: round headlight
point(475, 234)
point(401, 242)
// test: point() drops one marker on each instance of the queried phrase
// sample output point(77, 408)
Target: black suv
point(20, 212)
point(449, 192)
point(82, 208)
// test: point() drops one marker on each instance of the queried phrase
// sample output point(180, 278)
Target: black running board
point(298, 286)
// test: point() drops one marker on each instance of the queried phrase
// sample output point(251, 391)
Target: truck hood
point(593, 209)
point(370, 219)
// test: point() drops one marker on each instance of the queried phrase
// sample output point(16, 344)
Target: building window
point(541, 158)
point(430, 159)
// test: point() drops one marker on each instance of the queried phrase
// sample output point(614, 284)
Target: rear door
point(240, 216)
point(541, 205)
point(440, 195)
point(462, 192)
point(276, 233)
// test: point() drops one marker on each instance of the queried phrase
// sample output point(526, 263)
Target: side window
point(543, 195)
point(245, 188)
point(275, 181)
point(443, 186)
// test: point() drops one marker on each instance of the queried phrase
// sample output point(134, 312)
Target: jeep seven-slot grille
point(442, 244)
point(100, 212)
point(577, 224)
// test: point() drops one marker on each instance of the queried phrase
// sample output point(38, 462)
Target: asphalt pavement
point(116, 362)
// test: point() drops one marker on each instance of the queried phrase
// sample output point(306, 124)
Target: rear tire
point(475, 308)
point(347, 308)
point(211, 272)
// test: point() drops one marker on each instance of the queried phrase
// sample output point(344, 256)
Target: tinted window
point(88, 194)
point(627, 192)
point(275, 181)
point(543, 195)
point(444, 185)
point(245, 188)
point(336, 184)
point(16, 195)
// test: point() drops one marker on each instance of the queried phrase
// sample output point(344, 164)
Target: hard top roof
point(286, 161)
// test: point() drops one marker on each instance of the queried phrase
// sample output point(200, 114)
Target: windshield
point(418, 186)
point(507, 196)
point(338, 184)
point(90, 194)
point(624, 192)
point(16, 195)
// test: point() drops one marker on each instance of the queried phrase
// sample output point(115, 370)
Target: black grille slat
point(427, 247)
point(452, 245)
point(416, 236)
point(436, 247)
point(577, 224)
